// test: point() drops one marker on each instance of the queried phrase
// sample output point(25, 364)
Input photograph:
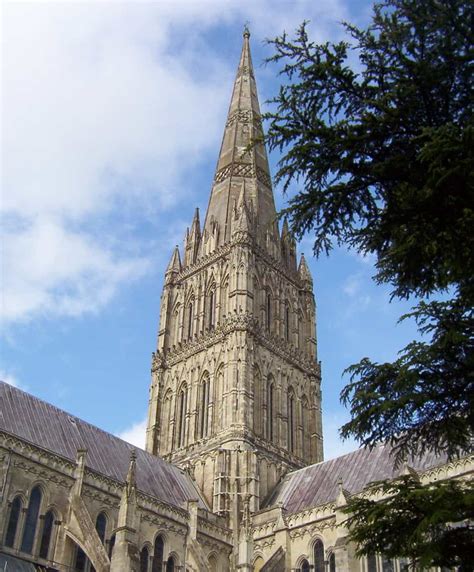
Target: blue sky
point(112, 116)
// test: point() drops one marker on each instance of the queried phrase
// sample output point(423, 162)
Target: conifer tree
point(376, 135)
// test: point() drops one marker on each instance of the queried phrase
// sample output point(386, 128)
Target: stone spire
point(238, 161)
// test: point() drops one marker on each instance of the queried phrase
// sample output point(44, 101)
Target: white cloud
point(135, 434)
point(9, 378)
point(108, 105)
point(49, 270)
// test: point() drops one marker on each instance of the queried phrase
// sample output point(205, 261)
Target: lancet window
point(332, 562)
point(31, 521)
point(318, 556)
point(211, 308)
point(12, 527)
point(101, 525)
point(287, 322)
point(182, 408)
point(291, 420)
point(305, 425)
point(144, 557)
point(157, 565)
point(46, 534)
point(268, 310)
point(270, 404)
point(190, 319)
point(204, 407)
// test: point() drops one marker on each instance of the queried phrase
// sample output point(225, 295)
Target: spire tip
point(246, 33)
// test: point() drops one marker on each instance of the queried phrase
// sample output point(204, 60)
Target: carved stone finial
point(246, 30)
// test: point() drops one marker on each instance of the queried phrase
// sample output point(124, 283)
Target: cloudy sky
point(112, 115)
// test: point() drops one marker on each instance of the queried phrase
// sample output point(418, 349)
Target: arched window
point(144, 557)
point(182, 403)
point(111, 545)
point(170, 564)
point(332, 562)
point(31, 521)
point(101, 525)
point(287, 322)
point(257, 401)
point(318, 556)
point(305, 424)
point(291, 420)
point(157, 565)
point(212, 563)
point(12, 526)
point(211, 310)
point(46, 534)
point(190, 319)
point(305, 566)
point(371, 563)
point(165, 420)
point(270, 399)
point(268, 310)
point(204, 408)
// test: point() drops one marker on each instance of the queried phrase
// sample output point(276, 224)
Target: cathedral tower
point(235, 392)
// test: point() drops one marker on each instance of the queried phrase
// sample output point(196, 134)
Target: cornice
point(235, 323)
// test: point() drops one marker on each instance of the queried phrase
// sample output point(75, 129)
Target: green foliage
point(411, 522)
point(377, 141)
point(424, 401)
point(383, 151)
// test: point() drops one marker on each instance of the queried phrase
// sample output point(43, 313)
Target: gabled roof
point(54, 430)
point(318, 484)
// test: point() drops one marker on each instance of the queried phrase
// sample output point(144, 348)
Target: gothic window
point(111, 545)
point(211, 311)
point(100, 526)
point(371, 563)
point(204, 408)
point(46, 534)
point(332, 562)
point(144, 559)
point(157, 564)
point(12, 527)
point(182, 403)
point(176, 324)
point(189, 320)
point(291, 419)
point(166, 419)
point(224, 296)
point(268, 310)
point(81, 560)
point(212, 563)
point(270, 400)
point(31, 521)
point(287, 322)
point(305, 424)
point(257, 402)
point(304, 566)
point(170, 564)
point(318, 556)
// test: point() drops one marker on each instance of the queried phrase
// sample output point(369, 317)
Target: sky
point(111, 119)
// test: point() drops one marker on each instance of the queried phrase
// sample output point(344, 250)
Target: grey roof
point(318, 484)
point(51, 428)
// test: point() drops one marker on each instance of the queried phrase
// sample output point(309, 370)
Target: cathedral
point(233, 476)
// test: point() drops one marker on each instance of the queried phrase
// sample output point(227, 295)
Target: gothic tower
point(235, 393)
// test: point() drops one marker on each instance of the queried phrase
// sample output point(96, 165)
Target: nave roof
point(52, 429)
point(318, 484)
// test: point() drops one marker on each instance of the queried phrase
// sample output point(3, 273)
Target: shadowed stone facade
point(233, 476)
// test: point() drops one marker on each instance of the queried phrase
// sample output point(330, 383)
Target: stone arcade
point(233, 476)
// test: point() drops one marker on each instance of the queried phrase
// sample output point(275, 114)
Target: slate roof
point(51, 428)
point(318, 484)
